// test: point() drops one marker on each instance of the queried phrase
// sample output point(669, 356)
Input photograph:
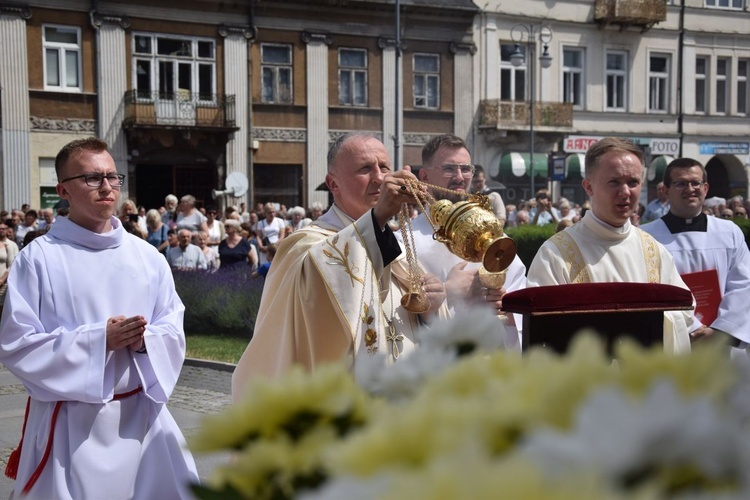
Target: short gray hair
point(339, 143)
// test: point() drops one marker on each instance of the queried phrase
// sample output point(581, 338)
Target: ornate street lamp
point(528, 34)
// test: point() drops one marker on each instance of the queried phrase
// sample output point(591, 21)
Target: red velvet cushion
point(597, 297)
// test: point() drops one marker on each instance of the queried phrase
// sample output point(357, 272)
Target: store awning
point(575, 166)
point(517, 164)
point(656, 169)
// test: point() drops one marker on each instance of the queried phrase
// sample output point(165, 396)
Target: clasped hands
point(125, 332)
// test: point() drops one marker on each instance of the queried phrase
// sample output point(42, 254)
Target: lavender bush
point(222, 302)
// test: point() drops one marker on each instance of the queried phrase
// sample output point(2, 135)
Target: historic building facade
point(188, 92)
point(672, 76)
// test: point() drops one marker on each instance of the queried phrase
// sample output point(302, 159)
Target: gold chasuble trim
point(342, 259)
point(651, 255)
point(577, 270)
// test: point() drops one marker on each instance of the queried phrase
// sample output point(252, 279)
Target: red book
point(705, 288)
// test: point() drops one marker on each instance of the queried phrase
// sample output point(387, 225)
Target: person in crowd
point(230, 212)
point(129, 218)
point(270, 229)
point(298, 219)
point(62, 208)
point(321, 301)
point(563, 225)
point(186, 256)
point(316, 210)
point(8, 252)
point(446, 163)
point(726, 213)
point(172, 240)
point(604, 246)
point(156, 230)
point(510, 211)
point(252, 220)
point(701, 243)
point(545, 213)
point(29, 224)
point(635, 219)
point(479, 185)
point(189, 217)
point(210, 252)
point(142, 225)
point(93, 329)
point(47, 218)
point(656, 207)
point(235, 251)
point(740, 213)
point(522, 218)
point(264, 268)
point(216, 231)
point(566, 212)
point(169, 216)
point(25, 207)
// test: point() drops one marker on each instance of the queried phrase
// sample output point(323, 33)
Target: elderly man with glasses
point(446, 163)
point(93, 329)
point(708, 252)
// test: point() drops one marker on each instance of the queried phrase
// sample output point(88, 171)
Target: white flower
point(403, 379)
point(470, 330)
point(351, 488)
point(632, 443)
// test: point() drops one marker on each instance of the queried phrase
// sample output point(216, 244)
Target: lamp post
point(530, 33)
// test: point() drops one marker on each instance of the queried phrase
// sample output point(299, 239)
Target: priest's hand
point(125, 332)
point(707, 334)
point(394, 193)
point(462, 284)
point(434, 290)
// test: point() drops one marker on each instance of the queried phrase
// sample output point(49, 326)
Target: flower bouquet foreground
point(461, 419)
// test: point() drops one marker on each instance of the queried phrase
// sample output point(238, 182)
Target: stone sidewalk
point(204, 388)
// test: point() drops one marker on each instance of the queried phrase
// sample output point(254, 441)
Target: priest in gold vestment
point(334, 290)
point(604, 246)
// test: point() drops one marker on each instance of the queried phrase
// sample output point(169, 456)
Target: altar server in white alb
point(92, 327)
point(702, 243)
point(446, 163)
point(604, 246)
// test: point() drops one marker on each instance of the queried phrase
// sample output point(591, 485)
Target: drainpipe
point(680, 71)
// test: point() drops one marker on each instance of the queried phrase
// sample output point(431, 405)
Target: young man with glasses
point(446, 163)
point(93, 329)
point(701, 243)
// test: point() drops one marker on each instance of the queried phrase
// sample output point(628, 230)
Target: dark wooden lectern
point(552, 315)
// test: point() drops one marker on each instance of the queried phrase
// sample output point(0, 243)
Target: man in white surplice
point(446, 163)
point(604, 246)
point(333, 293)
point(701, 243)
point(92, 327)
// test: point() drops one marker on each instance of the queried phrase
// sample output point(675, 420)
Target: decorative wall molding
point(65, 125)
point(418, 139)
point(314, 36)
point(279, 134)
point(387, 42)
point(458, 47)
point(333, 135)
point(249, 32)
point(15, 9)
point(98, 19)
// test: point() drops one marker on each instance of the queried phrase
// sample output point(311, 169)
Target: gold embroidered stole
point(578, 271)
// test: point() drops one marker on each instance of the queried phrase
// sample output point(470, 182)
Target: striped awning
point(575, 166)
point(517, 164)
point(655, 171)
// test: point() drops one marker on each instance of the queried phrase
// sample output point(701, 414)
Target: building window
point(168, 66)
point(62, 58)
point(701, 70)
point(353, 77)
point(742, 89)
point(573, 85)
point(722, 68)
point(724, 4)
point(658, 82)
point(617, 77)
point(512, 79)
point(427, 81)
point(276, 68)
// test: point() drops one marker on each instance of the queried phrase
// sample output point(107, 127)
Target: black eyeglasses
point(97, 180)
point(680, 185)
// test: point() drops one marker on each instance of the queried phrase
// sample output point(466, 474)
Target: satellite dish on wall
point(236, 186)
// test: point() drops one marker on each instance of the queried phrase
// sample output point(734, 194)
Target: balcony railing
point(644, 13)
point(497, 114)
point(181, 110)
